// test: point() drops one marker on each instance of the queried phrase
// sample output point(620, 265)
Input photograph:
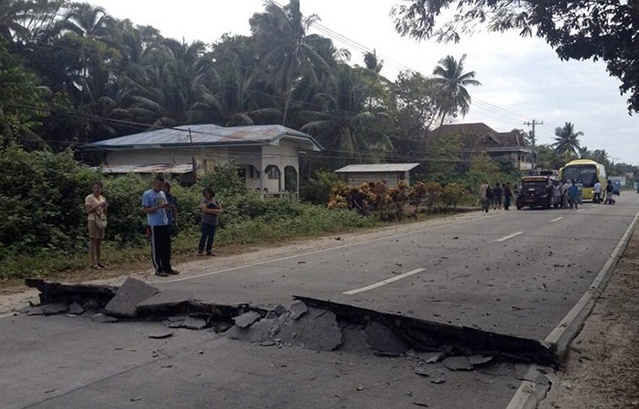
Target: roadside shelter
point(391, 173)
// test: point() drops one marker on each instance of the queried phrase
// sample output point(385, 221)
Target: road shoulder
point(601, 368)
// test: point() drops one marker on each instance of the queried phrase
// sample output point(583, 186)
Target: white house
point(267, 156)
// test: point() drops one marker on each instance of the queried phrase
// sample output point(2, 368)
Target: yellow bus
point(585, 172)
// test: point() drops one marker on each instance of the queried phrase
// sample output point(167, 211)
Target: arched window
point(290, 179)
point(272, 172)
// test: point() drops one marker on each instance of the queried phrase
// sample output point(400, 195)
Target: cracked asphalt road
point(516, 272)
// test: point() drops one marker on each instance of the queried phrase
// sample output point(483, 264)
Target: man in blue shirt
point(155, 205)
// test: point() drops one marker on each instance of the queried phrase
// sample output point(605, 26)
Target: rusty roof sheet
point(207, 135)
point(171, 168)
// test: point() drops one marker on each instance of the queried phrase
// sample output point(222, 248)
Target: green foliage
point(451, 195)
point(318, 189)
point(42, 201)
point(224, 180)
point(126, 219)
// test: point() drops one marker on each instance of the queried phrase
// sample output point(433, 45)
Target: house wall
point(254, 160)
point(282, 156)
point(391, 178)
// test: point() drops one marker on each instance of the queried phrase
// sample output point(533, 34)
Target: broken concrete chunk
point(432, 357)
point(354, 339)
point(279, 310)
point(438, 381)
point(103, 318)
point(381, 340)
point(53, 292)
point(160, 334)
point(321, 333)
point(478, 360)
point(53, 309)
point(76, 308)
point(194, 323)
point(421, 371)
point(221, 326)
point(458, 363)
point(247, 319)
point(166, 302)
point(129, 295)
point(298, 308)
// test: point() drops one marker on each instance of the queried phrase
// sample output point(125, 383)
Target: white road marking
point(9, 314)
point(384, 282)
point(557, 219)
point(510, 236)
point(360, 243)
point(580, 210)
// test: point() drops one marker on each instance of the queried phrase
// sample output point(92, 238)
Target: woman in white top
point(96, 206)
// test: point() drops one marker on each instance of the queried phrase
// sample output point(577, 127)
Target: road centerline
point(384, 282)
point(556, 219)
point(510, 236)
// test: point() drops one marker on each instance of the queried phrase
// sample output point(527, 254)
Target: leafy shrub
point(318, 189)
point(42, 201)
point(225, 180)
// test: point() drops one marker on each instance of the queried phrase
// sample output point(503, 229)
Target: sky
point(522, 78)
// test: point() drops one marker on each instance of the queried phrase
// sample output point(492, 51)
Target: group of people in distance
point(495, 196)
point(160, 207)
point(607, 193)
point(566, 195)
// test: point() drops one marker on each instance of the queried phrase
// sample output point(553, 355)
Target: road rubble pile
point(320, 325)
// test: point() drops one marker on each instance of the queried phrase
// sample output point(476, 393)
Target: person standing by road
point(609, 189)
point(497, 193)
point(596, 190)
point(573, 194)
point(210, 211)
point(155, 205)
point(564, 195)
point(556, 194)
point(508, 194)
point(96, 206)
point(171, 212)
point(484, 196)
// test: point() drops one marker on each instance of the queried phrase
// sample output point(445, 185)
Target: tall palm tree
point(285, 50)
point(87, 21)
point(169, 86)
point(22, 20)
point(372, 62)
point(345, 124)
point(449, 76)
point(567, 140)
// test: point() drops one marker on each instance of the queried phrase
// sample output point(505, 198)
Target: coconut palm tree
point(453, 97)
point(372, 62)
point(567, 140)
point(286, 52)
point(169, 86)
point(87, 21)
point(345, 124)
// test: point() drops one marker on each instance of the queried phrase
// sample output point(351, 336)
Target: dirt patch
point(602, 369)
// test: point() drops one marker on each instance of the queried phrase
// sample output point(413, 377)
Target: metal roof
point(207, 135)
point(378, 168)
point(148, 168)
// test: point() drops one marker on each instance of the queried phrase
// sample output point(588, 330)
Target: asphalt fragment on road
point(314, 324)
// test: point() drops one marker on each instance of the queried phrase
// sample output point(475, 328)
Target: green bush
point(42, 201)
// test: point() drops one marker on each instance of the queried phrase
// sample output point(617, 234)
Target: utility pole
point(533, 138)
